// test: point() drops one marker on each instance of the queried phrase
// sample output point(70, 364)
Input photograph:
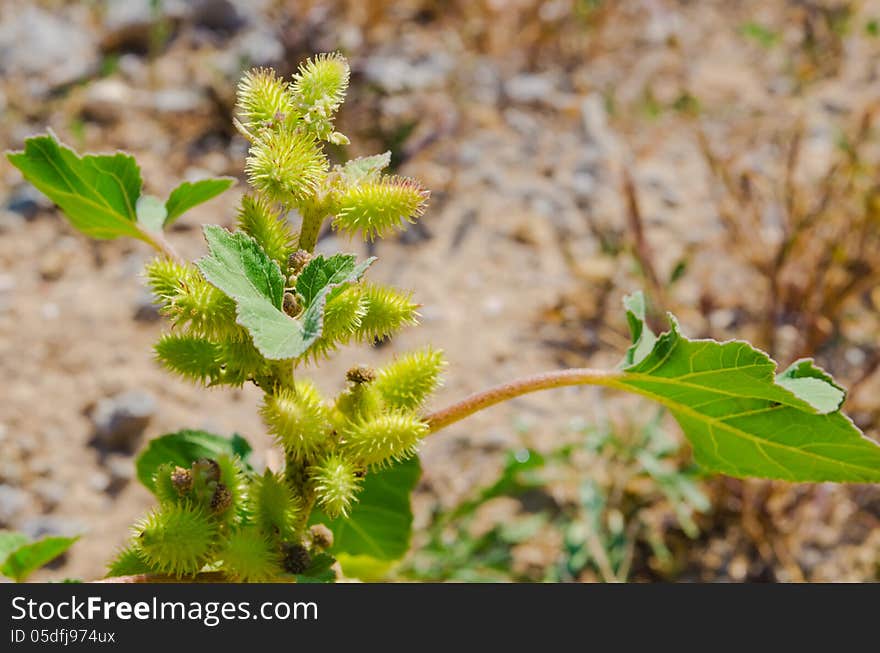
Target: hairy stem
point(478, 401)
point(162, 245)
point(311, 227)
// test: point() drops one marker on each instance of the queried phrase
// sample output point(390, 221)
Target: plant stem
point(478, 401)
point(311, 227)
point(163, 246)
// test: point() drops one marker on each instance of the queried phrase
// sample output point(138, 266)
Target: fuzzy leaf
point(642, 336)
point(322, 272)
point(365, 168)
point(190, 194)
point(379, 526)
point(28, 557)
point(150, 212)
point(183, 448)
point(744, 420)
point(241, 269)
point(98, 193)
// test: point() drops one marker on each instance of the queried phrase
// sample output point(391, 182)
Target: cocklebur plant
point(261, 307)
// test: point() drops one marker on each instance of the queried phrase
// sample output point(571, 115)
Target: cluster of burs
point(218, 514)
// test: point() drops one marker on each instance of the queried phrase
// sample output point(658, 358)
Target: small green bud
point(359, 401)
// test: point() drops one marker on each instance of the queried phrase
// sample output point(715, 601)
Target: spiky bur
point(263, 99)
point(336, 483)
point(202, 310)
point(274, 506)
point(210, 513)
point(285, 165)
point(406, 383)
point(319, 89)
point(128, 562)
point(164, 278)
point(176, 539)
point(383, 439)
point(342, 320)
point(387, 311)
point(298, 418)
point(193, 358)
point(377, 208)
point(268, 227)
point(249, 556)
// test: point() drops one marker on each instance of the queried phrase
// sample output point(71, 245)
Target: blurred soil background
point(720, 155)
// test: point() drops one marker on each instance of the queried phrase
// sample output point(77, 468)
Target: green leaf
point(320, 571)
point(9, 542)
point(184, 447)
point(98, 193)
point(379, 527)
point(642, 336)
point(239, 267)
point(744, 420)
point(190, 194)
point(28, 557)
point(365, 168)
point(150, 212)
point(322, 272)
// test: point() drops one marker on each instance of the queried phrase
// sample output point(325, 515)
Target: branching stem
point(486, 398)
